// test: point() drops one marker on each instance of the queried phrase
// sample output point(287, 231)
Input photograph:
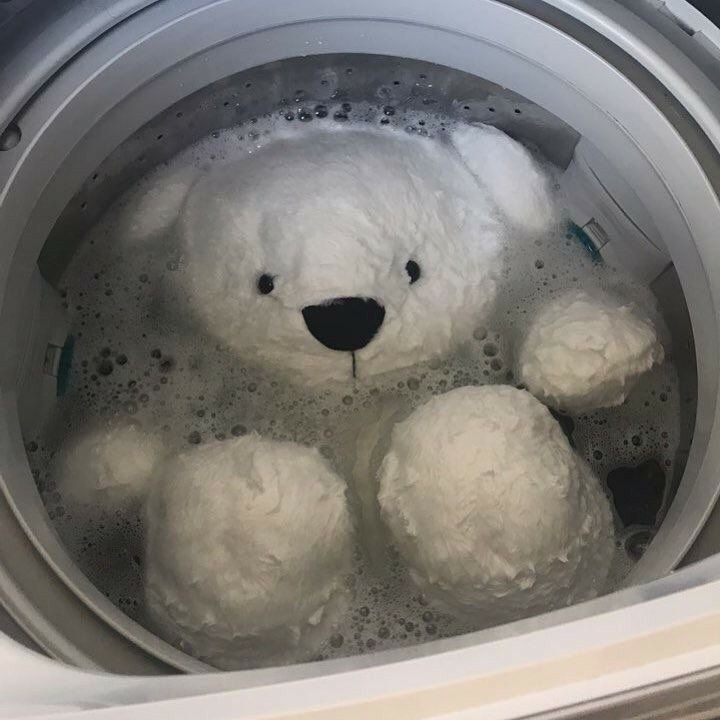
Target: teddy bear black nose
point(347, 324)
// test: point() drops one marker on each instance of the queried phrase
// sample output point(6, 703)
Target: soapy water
point(139, 354)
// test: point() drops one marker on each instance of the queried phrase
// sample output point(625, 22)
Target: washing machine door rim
point(637, 660)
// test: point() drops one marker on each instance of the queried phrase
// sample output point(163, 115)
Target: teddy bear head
point(346, 252)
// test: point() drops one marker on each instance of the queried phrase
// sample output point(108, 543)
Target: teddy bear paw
point(583, 352)
point(110, 465)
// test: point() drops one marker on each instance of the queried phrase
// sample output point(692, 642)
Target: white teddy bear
point(345, 253)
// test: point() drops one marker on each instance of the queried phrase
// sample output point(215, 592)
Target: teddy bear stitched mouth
point(345, 324)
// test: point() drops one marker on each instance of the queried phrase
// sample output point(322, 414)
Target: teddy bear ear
point(157, 204)
point(508, 172)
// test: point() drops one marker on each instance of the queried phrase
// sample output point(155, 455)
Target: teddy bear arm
point(111, 464)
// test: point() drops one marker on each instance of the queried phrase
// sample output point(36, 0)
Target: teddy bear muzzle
point(345, 324)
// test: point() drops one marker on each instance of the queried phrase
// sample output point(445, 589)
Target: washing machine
point(623, 96)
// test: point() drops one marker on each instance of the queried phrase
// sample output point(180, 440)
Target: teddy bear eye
point(413, 270)
point(265, 284)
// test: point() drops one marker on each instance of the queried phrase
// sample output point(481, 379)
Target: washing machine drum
point(620, 100)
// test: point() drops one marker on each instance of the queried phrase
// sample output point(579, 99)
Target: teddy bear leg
point(495, 514)
point(248, 545)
